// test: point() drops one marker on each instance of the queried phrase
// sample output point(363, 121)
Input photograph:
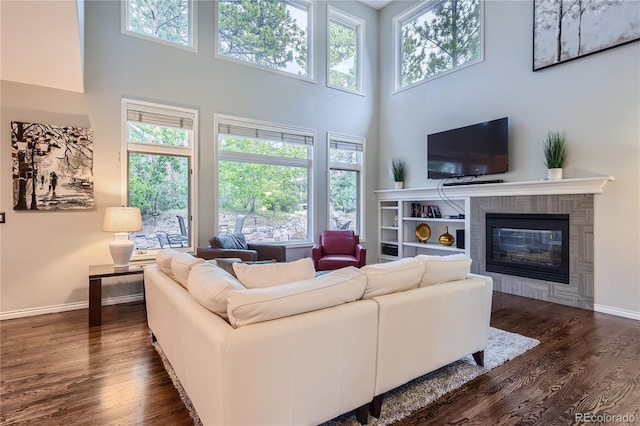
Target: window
point(346, 180)
point(437, 37)
point(344, 59)
point(264, 175)
point(160, 145)
point(165, 21)
point(272, 34)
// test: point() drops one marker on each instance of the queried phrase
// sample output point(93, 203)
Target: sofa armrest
point(270, 252)
point(361, 255)
point(213, 253)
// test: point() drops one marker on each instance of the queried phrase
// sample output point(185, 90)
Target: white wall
point(45, 255)
point(595, 99)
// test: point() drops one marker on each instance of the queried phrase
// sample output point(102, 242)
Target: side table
point(96, 274)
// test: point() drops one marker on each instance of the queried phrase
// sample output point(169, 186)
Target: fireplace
point(528, 245)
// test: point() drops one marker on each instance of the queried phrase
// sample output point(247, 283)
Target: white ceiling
point(376, 4)
point(41, 43)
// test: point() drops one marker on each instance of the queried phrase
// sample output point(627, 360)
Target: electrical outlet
point(2, 217)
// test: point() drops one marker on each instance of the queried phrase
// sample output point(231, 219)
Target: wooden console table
point(96, 274)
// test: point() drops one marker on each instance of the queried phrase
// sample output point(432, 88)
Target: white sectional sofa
point(310, 348)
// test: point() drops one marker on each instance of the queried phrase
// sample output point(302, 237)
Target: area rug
point(401, 402)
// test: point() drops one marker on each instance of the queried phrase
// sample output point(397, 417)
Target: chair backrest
point(183, 228)
point(338, 242)
point(163, 238)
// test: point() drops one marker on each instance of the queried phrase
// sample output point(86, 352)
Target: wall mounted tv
point(475, 150)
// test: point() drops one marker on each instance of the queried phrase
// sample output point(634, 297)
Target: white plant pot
point(399, 185)
point(554, 174)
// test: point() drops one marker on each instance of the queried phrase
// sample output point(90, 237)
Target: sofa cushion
point(272, 274)
point(163, 260)
point(226, 263)
point(441, 269)
point(391, 277)
point(181, 265)
point(229, 241)
point(209, 285)
point(263, 304)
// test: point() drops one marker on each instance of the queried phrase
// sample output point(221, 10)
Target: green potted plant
point(398, 168)
point(555, 154)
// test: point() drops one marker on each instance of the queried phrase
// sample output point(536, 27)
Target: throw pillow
point(210, 286)
point(163, 260)
point(181, 265)
point(272, 274)
point(392, 277)
point(442, 269)
point(229, 241)
point(263, 304)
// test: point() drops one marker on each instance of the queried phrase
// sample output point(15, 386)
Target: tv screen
point(475, 150)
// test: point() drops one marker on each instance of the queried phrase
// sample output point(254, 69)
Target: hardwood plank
point(55, 370)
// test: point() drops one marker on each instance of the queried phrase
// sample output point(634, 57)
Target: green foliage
point(343, 50)
point(263, 32)
point(555, 150)
point(398, 168)
point(158, 182)
point(445, 37)
point(165, 19)
point(343, 193)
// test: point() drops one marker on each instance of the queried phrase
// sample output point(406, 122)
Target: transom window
point(437, 37)
point(165, 21)
point(264, 179)
point(346, 180)
point(273, 34)
point(160, 142)
point(344, 61)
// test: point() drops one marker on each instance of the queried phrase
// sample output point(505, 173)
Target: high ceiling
point(376, 4)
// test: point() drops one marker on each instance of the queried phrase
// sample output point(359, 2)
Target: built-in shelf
point(431, 219)
point(433, 246)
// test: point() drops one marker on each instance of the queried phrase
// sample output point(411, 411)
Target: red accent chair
point(338, 249)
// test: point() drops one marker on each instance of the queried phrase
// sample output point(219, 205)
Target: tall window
point(346, 180)
point(437, 37)
point(264, 176)
point(167, 21)
point(161, 145)
point(345, 49)
point(274, 34)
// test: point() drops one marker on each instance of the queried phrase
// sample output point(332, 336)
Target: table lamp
point(121, 220)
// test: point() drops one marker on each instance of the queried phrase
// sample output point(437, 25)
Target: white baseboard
point(617, 312)
point(30, 312)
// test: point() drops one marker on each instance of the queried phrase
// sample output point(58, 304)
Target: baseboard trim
point(30, 312)
point(617, 312)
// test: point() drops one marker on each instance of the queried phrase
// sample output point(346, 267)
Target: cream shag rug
point(399, 403)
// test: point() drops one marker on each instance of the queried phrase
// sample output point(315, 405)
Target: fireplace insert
point(528, 245)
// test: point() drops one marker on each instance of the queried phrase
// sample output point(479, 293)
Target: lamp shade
point(122, 219)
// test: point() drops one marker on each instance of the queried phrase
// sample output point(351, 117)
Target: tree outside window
point(268, 33)
point(438, 37)
point(345, 51)
point(346, 160)
point(167, 20)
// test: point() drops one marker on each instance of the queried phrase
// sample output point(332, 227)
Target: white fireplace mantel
point(589, 185)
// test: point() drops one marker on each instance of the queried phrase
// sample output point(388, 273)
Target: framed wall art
point(564, 30)
point(52, 167)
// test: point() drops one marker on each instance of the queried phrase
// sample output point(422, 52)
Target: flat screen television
point(475, 150)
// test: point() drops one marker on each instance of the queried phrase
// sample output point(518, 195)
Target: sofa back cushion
point(261, 275)
point(210, 285)
point(442, 269)
point(391, 277)
point(181, 265)
point(163, 260)
point(263, 304)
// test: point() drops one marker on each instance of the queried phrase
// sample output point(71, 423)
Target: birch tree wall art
point(52, 167)
point(568, 29)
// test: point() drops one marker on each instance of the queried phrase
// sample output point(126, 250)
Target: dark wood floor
point(55, 370)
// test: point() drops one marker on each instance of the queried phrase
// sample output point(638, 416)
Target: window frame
point(191, 152)
point(311, 77)
point(221, 155)
point(193, 28)
point(353, 140)
point(411, 13)
point(359, 24)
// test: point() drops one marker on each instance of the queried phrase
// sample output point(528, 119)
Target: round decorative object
point(423, 232)
point(446, 239)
